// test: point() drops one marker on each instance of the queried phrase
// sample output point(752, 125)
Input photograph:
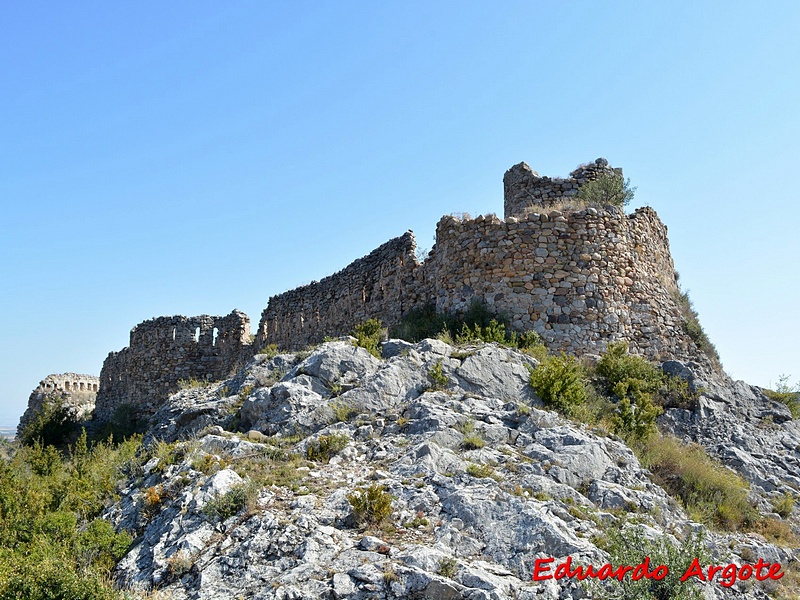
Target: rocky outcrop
point(738, 424)
point(483, 482)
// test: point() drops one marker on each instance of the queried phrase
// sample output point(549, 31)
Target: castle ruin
point(165, 351)
point(581, 278)
point(76, 392)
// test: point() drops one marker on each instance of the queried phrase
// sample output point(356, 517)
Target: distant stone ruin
point(77, 392)
point(167, 350)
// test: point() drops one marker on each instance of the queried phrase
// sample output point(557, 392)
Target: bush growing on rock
point(633, 380)
point(629, 545)
point(369, 335)
point(230, 503)
point(710, 492)
point(559, 382)
point(327, 446)
point(372, 506)
point(617, 365)
point(786, 394)
point(476, 324)
point(437, 377)
point(692, 327)
point(607, 189)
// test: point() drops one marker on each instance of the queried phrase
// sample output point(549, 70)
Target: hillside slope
point(432, 472)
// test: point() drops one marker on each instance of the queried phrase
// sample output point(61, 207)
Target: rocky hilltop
point(281, 466)
point(480, 480)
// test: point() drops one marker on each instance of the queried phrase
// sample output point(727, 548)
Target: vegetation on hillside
point(53, 544)
point(474, 324)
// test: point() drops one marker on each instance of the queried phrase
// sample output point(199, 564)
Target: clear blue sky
point(195, 157)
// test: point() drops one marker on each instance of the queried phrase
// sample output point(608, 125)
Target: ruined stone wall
point(166, 350)
point(77, 392)
point(579, 279)
point(382, 285)
point(525, 190)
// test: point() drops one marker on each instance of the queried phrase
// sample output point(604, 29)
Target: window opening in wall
point(174, 333)
point(66, 385)
point(81, 386)
point(197, 334)
point(94, 387)
point(214, 337)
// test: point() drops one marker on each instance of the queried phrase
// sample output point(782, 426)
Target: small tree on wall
point(609, 188)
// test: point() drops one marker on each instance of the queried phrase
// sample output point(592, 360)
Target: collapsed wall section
point(165, 350)
point(524, 190)
point(381, 285)
point(579, 279)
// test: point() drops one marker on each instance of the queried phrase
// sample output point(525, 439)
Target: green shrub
point(419, 323)
point(472, 441)
point(369, 335)
point(343, 412)
point(52, 543)
point(559, 382)
point(475, 324)
point(785, 505)
point(326, 446)
point(46, 574)
point(52, 424)
point(270, 350)
point(101, 546)
point(633, 380)
point(636, 412)
point(275, 466)
point(616, 366)
point(480, 471)
point(786, 394)
point(448, 567)
point(372, 506)
point(437, 377)
point(606, 189)
point(493, 332)
point(230, 503)
point(629, 546)
point(676, 393)
point(124, 424)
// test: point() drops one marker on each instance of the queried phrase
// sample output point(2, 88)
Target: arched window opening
point(214, 337)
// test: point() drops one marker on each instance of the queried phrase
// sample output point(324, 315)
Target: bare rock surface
point(267, 512)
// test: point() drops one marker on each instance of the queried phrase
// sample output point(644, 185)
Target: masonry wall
point(524, 190)
point(77, 392)
point(579, 279)
point(166, 350)
point(383, 285)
